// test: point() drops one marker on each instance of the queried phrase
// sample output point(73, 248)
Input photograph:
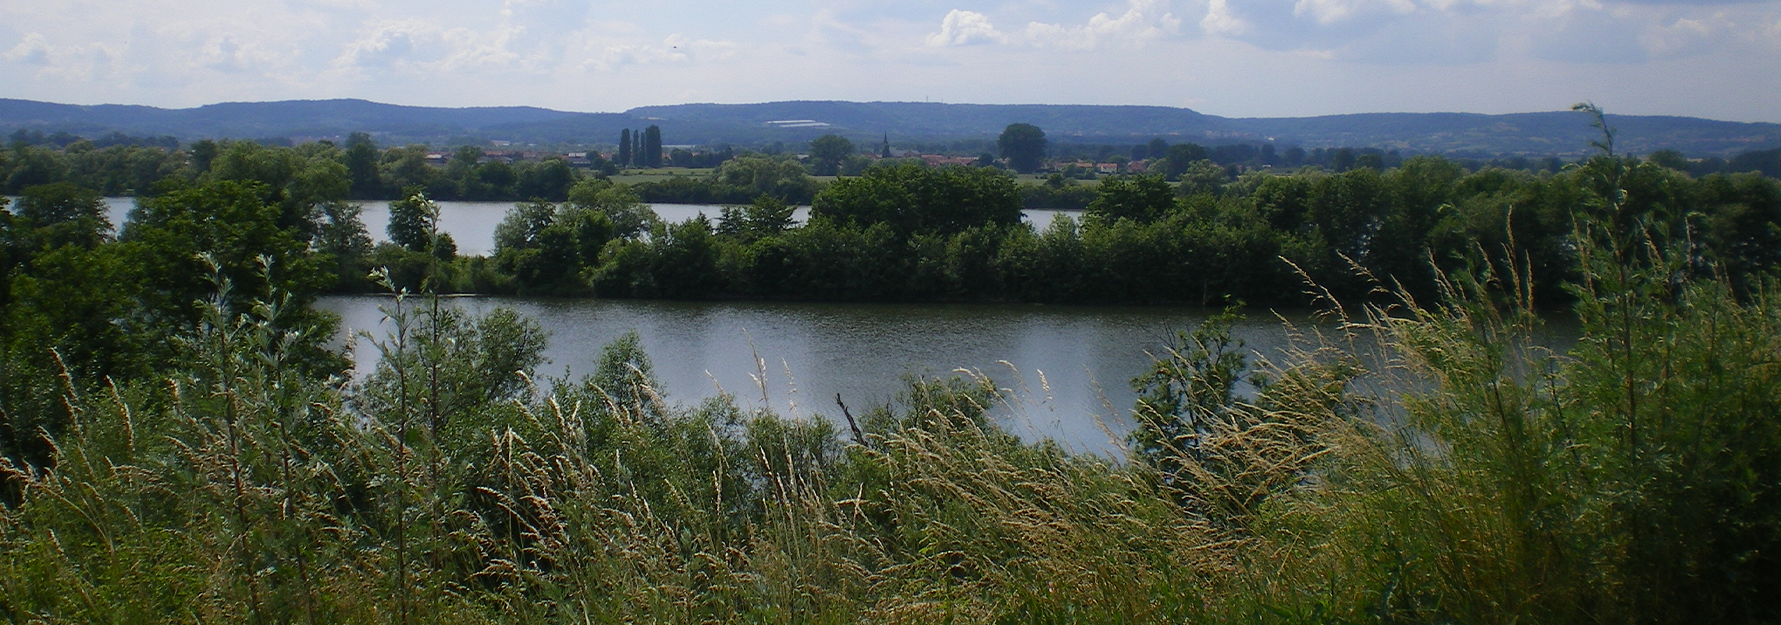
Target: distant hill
point(292, 118)
point(1562, 132)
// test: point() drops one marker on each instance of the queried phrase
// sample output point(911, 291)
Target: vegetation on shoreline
point(1199, 233)
point(912, 233)
point(185, 449)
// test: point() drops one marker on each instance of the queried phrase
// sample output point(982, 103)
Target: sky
point(1236, 58)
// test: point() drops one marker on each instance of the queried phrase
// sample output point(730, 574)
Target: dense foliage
point(1024, 147)
point(909, 232)
point(1629, 480)
point(1201, 230)
point(365, 171)
point(179, 445)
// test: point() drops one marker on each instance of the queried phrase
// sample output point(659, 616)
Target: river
point(1068, 368)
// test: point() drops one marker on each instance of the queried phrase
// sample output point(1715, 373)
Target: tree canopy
point(1024, 146)
point(918, 199)
point(827, 152)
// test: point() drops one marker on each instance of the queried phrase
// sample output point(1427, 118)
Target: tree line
point(640, 148)
point(178, 442)
point(1204, 237)
point(908, 233)
point(118, 164)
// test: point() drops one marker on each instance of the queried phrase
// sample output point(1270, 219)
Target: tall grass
point(1406, 463)
point(235, 492)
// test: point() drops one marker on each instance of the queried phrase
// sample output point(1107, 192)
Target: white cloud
point(74, 63)
point(1329, 11)
point(1220, 20)
point(829, 30)
point(33, 49)
point(961, 28)
point(1684, 36)
point(344, 4)
point(611, 56)
point(472, 50)
point(391, 45)
point(227, 54)
point(1143, 20)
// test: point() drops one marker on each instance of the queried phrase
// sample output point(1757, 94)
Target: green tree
point(1157, 148)
point(1141, 198)
point(203, 152)
point(62, 214)
point(1180, 157)
point(1188, 390)
point(470, 364)
point(652, 146)
point(467, 155)
point(549, 179)
point(915, 199)
point(1024, 147)
point(298, 182)
point(413, 220)
point(360, 159)
point(629, 216)
point(1743, 226)
point(542, 246)
point(1370, 160)
point(522, 225)
point(827, 152)
point(64, 310)
point(1282, 201)
point(32, 166)
point(781, 177)
point(342, 240)
point(496, 179)
point(1203, 177)
point(1348, 210)
point(686, 260)
point(235, 227)
point(406, 168)
point(767, 216)
point(592, 232)
point(624, 148)
point(1670, 159)
point(599, 166)
point(1401, 250)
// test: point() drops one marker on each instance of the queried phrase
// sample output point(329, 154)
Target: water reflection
point(1070, 366)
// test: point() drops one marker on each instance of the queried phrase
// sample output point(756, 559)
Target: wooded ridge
point(1539, 133)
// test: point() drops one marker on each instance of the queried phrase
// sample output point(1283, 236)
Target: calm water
point(1069, 367)
point(472, 224)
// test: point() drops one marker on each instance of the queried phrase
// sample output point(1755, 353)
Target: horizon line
point(808, 101)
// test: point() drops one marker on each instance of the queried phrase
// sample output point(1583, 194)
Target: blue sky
point(1239, 58)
